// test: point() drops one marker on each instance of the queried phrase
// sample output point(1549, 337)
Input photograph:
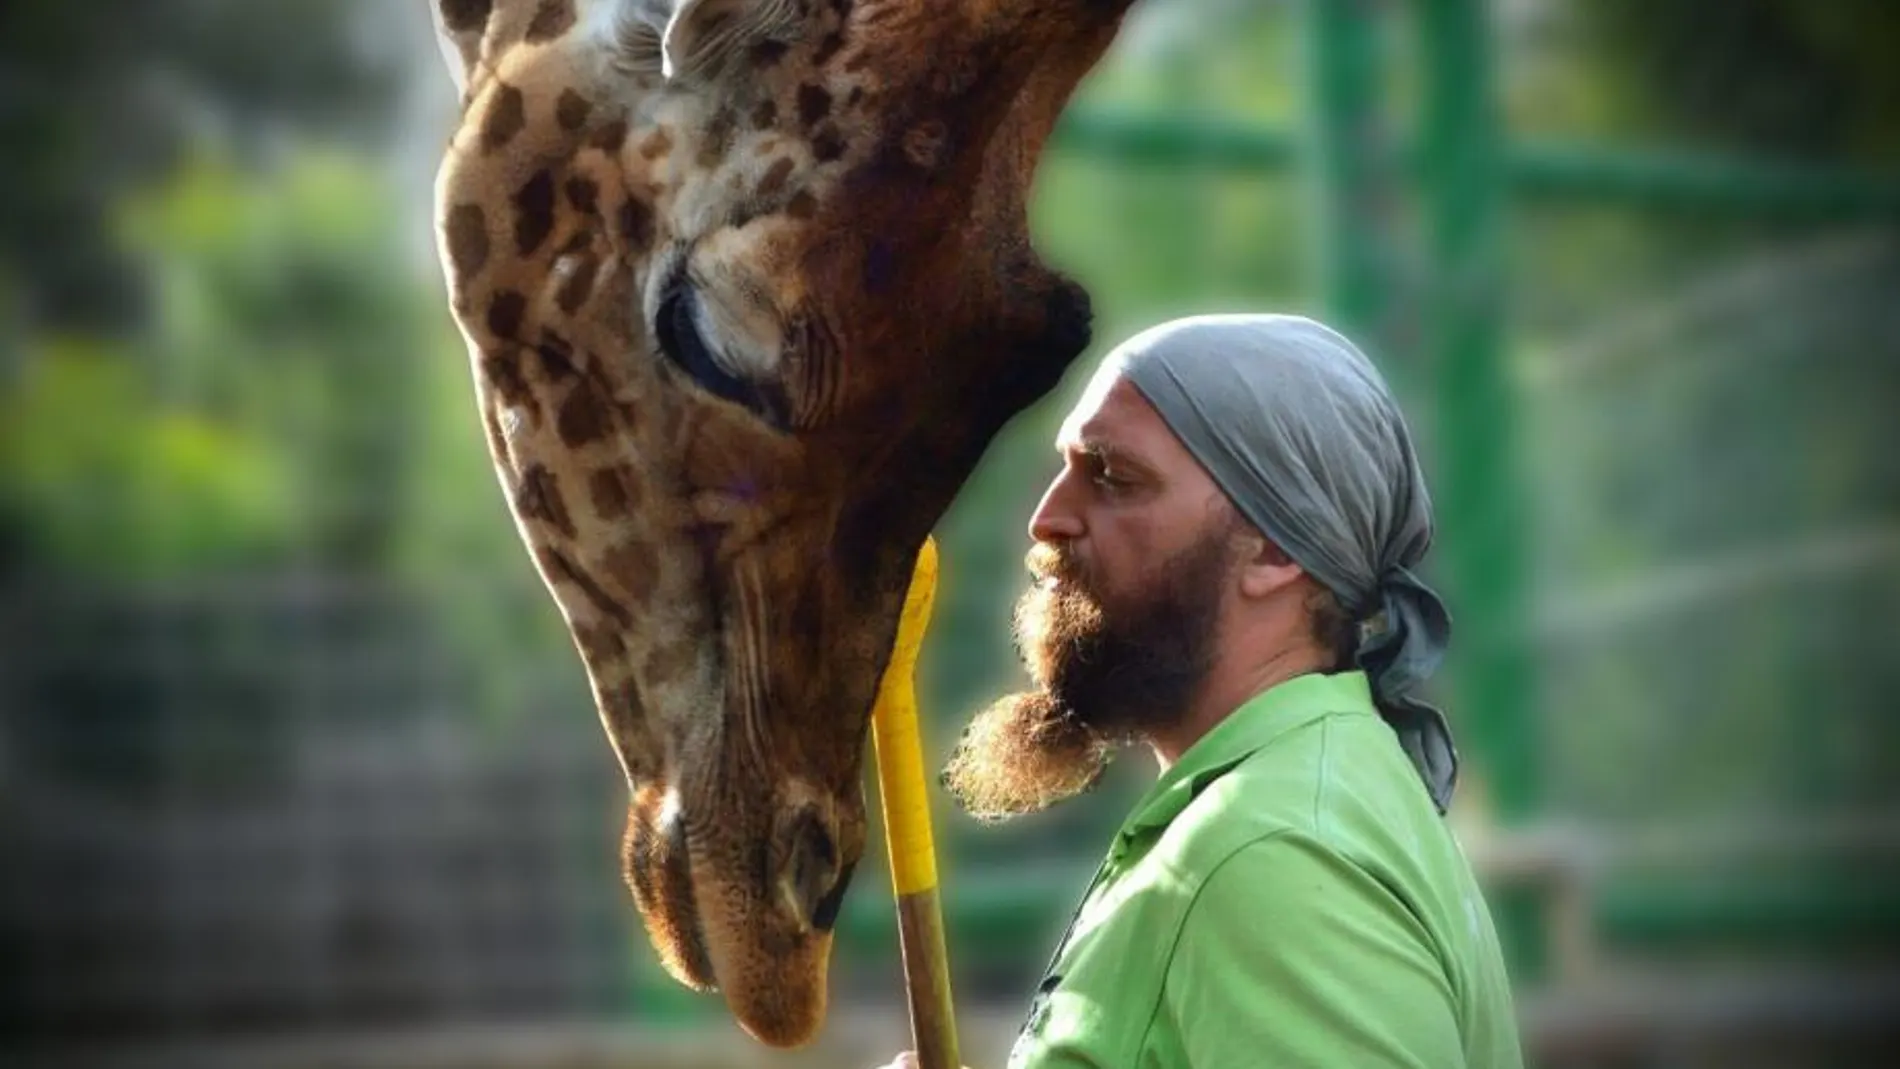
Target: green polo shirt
point(1285, 895)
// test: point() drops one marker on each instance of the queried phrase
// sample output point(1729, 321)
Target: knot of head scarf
point(1299, 430)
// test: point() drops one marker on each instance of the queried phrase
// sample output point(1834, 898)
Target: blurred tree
point(1798, 80)
point(95, 478)
point(269, 412)
point(1808, 79)
point(102, 97)
point(285, 306)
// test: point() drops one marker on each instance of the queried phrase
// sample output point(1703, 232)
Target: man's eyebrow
point(1109, 456)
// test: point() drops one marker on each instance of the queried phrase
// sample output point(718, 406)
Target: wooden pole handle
point(907, 833)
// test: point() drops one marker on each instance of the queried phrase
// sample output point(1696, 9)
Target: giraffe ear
point(704, 36)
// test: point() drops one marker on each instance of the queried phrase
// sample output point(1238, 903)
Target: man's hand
point(906, 1060)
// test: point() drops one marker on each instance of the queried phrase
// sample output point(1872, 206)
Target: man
point(1222, 574)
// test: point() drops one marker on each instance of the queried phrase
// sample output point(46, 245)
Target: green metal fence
point(1411, 248)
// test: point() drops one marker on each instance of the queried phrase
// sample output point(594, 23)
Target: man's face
point(1134, 546)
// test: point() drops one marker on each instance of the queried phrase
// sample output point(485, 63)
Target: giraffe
point(747, 288)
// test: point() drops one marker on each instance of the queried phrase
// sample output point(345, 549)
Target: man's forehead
point(1112, 416)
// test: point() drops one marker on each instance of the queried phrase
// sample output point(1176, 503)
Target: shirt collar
point(1281, 708)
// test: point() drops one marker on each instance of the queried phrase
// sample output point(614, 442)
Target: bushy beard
point(1107, 672)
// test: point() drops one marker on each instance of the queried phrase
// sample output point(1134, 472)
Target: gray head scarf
point(1297, 427)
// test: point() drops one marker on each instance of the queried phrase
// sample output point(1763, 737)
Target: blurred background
point(298, 768)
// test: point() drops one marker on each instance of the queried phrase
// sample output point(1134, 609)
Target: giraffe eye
point(682, 327)
point(684, 342)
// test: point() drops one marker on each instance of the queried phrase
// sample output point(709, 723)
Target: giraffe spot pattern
point(599, 643)
point(505, 312)
point(716, 139)
point(614, 491)
point(552, 19)
point(583, 269)
point(462, 16)
point(633, 569)
point(611, 137)
point(467, 232)
point(814, 103)
point(538, 497)
point(774, 181)
point(827, 146)
point(556, 353)
point(506, 117)
point(583, 194)
point(802, 205)
point(765, 116)
point(557, 565)
point(657, 144)
point(534, 212)
point(584, 419)
point(572, 110)
point(827, 48)
point(636, 224)
point(503, 375)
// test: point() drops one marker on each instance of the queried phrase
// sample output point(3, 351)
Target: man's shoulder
point(1331, 786)
point(1277, 790)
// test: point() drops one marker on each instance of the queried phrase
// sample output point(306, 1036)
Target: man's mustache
point(1050, 562)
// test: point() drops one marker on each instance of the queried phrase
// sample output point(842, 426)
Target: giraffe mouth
point(759, 932)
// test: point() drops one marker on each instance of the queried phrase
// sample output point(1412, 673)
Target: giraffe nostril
point(813, 882)
point(826, 915)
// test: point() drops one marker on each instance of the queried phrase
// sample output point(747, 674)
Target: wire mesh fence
point(264, 805)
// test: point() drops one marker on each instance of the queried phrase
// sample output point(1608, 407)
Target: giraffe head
point(748, 289)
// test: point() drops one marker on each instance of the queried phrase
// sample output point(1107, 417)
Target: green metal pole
point(1183, 244)
point(1478, 489)
point(1351, 182)
point(1547, 171)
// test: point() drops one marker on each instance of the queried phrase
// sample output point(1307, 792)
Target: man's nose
point(1055, 518)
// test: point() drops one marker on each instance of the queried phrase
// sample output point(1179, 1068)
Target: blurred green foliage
point(99, 100)
point(225, 351)
point(266, 413)
point(1799, 80)
point(95, 479)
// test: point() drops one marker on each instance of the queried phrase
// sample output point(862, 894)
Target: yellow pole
point(900, 778)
